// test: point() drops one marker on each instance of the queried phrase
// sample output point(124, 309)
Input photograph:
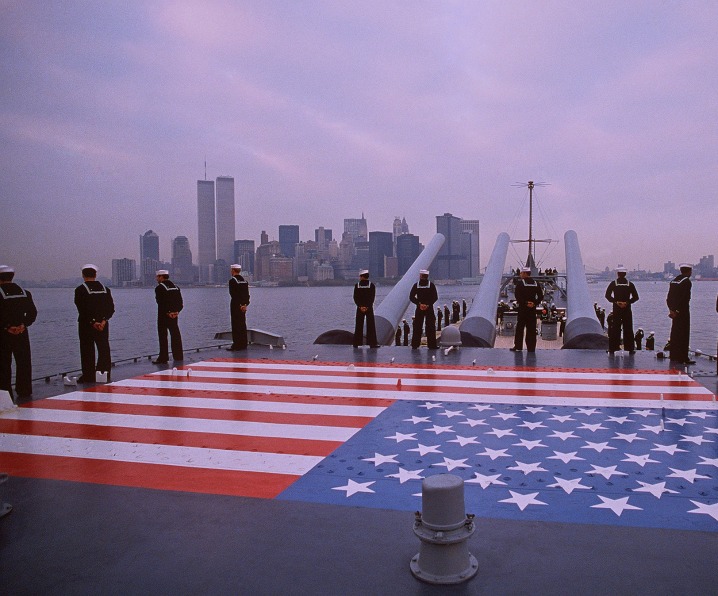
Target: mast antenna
point(530, 185)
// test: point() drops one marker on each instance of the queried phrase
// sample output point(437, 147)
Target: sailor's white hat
point(424, 272)
point(6, 269)
point(364, 272)
point(236, 266)
point(685, 266)
point(162, 272)
point(622, 269)
point(91, 266)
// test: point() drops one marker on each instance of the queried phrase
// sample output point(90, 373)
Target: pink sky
point(324, 110)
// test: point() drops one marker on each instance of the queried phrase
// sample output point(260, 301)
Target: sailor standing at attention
point(678, 301)
point(17, 313)
point(528, 294)
point(622, 294)
point(364, 294)
point(95, 307)
point(239, 301)
point(169, 306)
point(424, 295)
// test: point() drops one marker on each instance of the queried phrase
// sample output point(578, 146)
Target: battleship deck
point(297, 472)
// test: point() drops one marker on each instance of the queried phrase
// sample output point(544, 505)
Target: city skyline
point(110, 111)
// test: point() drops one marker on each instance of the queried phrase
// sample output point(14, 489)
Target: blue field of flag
point(595, 465)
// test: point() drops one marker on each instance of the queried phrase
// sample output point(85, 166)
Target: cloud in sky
point(325, 110)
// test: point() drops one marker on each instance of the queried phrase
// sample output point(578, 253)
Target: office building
point(182, 267)
point(288, 239)
point(381, 244)
point(408, 248)
point(470, 248)
point(206, 235)
point(149, 257)
point(356, 229)
point(244, 256)
point(225, 218)
point(124, 272)
point(449, 262)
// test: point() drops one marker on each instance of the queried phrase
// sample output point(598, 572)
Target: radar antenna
point(530, 262)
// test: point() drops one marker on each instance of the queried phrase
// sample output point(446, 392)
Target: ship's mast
point(530, 259)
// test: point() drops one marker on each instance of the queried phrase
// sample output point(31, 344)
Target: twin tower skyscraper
point(216, 231)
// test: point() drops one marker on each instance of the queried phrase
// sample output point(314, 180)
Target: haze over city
point(326, 110)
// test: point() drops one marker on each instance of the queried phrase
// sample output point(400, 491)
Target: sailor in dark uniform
point(397, 336)
point(463, 308)
point(169, 306)
point(622, 294)
point(455, 311)
point(364, 294)
point(651, 341)
point(17, 313)
point(405, 328)
point(678, 301)
point(439, 318)
point(239, 301)
point(639, 338)
point(447, 316)
point(424, 295)
point(528, 294)
point(95, 307)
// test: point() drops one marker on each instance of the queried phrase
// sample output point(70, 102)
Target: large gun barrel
point(479, 327)
point(583, 331)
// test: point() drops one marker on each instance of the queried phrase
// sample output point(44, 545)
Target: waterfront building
point(149, 257)
point(281, 269)
point(381, 245)
point(356, 228)
point(182, 267)
point(288, 239)
point(470, 246)
point(408, 248)
point(263, 238)
point(124, 272)
point(225, 218)
point(244, 255)
point(261, 263)
point(400, 227)
point(449, 262)
point(206, 235)
point(322, 271)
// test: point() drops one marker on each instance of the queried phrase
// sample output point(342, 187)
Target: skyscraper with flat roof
point(149, 257)
point(206, 237)
point(182, 268)
point(225, 218)
point(471, 246)
point(288, 239)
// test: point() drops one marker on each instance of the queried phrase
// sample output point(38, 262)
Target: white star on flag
point(566, 457)
point(697, 439)
point(641, 460)
point(501, 432)
point(689, 475)
point(568, 485)
point(505, 416)
point(628, 437)
point(380, 459)
point(561, 418)
point(430, 405)
point(705, 508)
point(494, 453)
point(592, 427)
point(404, 475)
point(399, 437)
point(679, 421)
point(417, 419)
point(617, 419)
point(653, 429)
point(355, 487)
point(527, 468)
point(655, 489)
point(587, 411)
point(597, 446)
point(424, 449)
point(523, 501)
point(709, 461)
point(532, 425)
point(439, 429)
point(643, 413)
point(451, 413)
point(670, 449)
point(451, 464)
point(529, 444)
point(702, 415)
point(618, 506)
point(605, 471)
point(473, 422)
point(480, 407)
point(464, 441)
point(533, 409)
point(484, 481)
point(557, 434)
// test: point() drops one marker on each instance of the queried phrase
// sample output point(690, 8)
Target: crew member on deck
point(17, 313)
point(239, 301)
point(364, 294)
point(169, 306)
point(651, 341)
point(424, 295)
point(95, 307)
point(622, 293)
point(528, 294)
point(639, 338)
point(679, 301)
point(439, 318)
point(405, 327)
point(397, 336)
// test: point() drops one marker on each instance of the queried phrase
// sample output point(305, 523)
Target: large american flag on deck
point(628, 448)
